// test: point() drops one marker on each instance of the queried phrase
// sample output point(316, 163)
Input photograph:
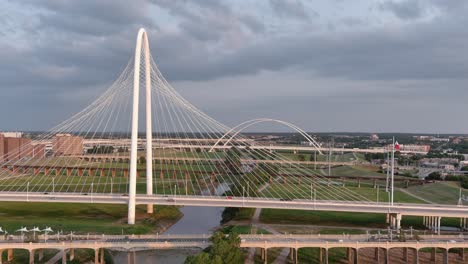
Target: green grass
point(355, 171)
point(335, 192)
point(80, 218)
point(440, 192)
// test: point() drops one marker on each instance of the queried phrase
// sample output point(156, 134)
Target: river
point(196, 220)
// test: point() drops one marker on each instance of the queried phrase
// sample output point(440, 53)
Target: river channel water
point(196, 220)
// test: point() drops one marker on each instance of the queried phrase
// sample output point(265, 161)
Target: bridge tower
point(142, 39)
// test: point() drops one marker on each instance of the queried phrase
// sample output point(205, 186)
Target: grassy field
point(81, 218)
point(104, 184)
point(336, 192)
point(440, 192)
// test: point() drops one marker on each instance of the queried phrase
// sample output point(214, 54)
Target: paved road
point(218, 201)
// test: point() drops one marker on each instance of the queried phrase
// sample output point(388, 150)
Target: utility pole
point(378, 192)
point(329, 159)
point(315, 160)
point(393, 169)
point(388, 170)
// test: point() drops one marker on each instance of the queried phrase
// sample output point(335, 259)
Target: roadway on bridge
point(221, 201)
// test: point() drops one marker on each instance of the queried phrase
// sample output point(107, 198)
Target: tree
point(223, 250)
point(233, 161)
point(464, 182)
point(435, 176)
point(301, 157)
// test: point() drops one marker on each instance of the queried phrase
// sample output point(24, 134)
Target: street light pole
point(393, 169)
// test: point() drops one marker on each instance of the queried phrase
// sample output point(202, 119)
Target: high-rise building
point(67, 144)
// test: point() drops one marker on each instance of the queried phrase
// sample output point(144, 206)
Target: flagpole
point(393, 170)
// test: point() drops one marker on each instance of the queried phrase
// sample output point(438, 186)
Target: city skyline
point(388, 66)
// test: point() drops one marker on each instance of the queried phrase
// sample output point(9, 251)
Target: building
point(13, 147)
point(374, 137)
point(413, 148)
point(67, 144)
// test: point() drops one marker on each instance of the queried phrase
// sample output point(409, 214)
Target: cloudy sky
point(324, 65)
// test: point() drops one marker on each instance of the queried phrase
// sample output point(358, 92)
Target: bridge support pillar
point(398, 221)
point(262, 253)
point(265, 260)
point(295, 251)
point(462, 254)
point(64, 256)
point(31, 256)
point(321, 255)
point(386, 257)
point(348, 255)
point(325, 251)
point(416, 256)
point(446, 256)
point(438, 224)
point(405, 255)
point(377, 255)
point(101, 259)
point(433, 254)
point(356, 255)
point(1, 255)
point(10, 254)
point(41, 254)
point(72, 254)
point(131, 257)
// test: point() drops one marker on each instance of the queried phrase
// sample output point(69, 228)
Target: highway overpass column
point(101, 260)
point(386, 261)
point(405, 254)
point(433, 254)
point(325, 251)
point(96, 256)
point(377, 254)
point(446, 256)
point(72, 254)
point(265, 256)
point(10, 254)
point(41, 254)
point(31, 256)
point(1, 255)
point(416, 256)
point(398, 221)
point(64, 256)
point(356, 255)
point(438, 224)
point(462, 254)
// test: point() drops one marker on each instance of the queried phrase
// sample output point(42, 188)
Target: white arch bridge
point(51, 167)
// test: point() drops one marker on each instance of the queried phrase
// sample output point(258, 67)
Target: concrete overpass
point(353, 244)
point(432, 213)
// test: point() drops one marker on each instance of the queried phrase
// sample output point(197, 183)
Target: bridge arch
point(242, 126)
point(141, 42)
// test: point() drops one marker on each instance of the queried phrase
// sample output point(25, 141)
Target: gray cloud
point(407, 9)
point(290, 9)
point(51, 49)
